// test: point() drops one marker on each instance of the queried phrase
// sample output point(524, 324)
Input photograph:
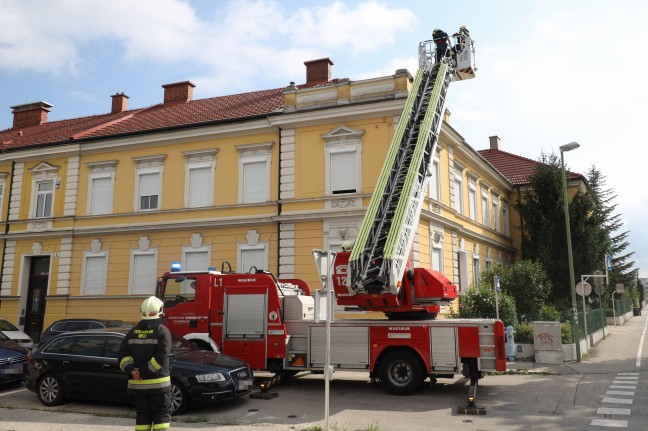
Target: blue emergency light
point(176, 266)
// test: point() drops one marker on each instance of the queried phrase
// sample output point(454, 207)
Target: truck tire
point(401, 373)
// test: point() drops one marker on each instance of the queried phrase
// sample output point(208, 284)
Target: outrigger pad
point(264, 395)
point(471, 410)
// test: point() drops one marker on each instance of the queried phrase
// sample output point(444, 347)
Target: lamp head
point(569, 147)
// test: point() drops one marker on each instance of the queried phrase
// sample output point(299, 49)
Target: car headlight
point(212, 377)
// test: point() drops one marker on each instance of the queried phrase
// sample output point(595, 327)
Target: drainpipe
point(279, 210)
point(6, 229)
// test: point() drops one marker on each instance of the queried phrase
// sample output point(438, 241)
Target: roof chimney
point(318, 71)
point(494, 142)
point(119, 103)
point(179, 92)
point(30, 114)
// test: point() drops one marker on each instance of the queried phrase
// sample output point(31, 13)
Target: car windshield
point(6, 326)
point(3, 336)
point(180, 345)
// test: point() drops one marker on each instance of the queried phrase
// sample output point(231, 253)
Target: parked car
point(83, 366)
point(15, 334)
point(13, 359)
point(69, 325)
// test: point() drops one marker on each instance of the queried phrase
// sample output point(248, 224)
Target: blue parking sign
point(608, 262)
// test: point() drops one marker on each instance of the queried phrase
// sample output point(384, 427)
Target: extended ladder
point(380, 253)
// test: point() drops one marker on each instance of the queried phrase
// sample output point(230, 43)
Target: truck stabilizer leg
point(471, 408)
point(265, 386)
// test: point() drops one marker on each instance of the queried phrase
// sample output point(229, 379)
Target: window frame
point(84, 273)
point(254, 153)
point(186, 250)
point(342, 139)
point(457, 182)
point(434, 184)
point(145, 166)
point(132, 276)
point(472, 199)
point(200, 160)
point(242, 247)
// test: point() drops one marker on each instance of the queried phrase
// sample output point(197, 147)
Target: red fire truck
point(274, 324)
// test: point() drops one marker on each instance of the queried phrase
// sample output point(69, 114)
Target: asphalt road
point(609, 389)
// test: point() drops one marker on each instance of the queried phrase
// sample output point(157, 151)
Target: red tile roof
point(516, 169)
point(157, 117)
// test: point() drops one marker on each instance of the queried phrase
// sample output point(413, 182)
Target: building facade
point(94, 209)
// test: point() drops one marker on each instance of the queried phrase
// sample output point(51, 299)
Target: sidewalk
point(608, 355)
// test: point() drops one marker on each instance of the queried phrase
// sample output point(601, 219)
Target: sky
point(549, 72)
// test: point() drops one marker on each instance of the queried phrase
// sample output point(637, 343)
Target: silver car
point(15, 334)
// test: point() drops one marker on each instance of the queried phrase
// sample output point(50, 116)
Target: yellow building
point(93, 209)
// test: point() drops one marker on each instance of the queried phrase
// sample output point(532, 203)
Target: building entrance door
point(36, 291)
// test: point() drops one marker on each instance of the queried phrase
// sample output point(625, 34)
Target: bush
point(479, 302)
point(566, 332)
point(523, 333)
point(549, 313)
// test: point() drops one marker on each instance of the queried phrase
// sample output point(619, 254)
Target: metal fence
point(622, 306)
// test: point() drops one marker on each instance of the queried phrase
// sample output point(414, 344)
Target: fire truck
point(275, 324)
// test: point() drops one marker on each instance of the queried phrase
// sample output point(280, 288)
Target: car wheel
point(401, 373)
point(179, 398)
point(50, 390)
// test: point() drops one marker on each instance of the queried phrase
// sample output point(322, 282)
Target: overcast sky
point(549, 72)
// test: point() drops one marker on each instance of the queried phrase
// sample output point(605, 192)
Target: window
point(101, 184)
point(505, 219)
point(472, 200)
point(462, 263)
point(2, 187)
point(200, 175)
point(458, 189)
point(252, 256)
point(437, 258)
point(196, 259)
point(143, 272)
point(435, 181)
point(44, 198)
point(476, 269)
point(254, 172)
point(95, 269)
point(148, 182)
point(342, 159)
point(485, 211)
point(496, 214)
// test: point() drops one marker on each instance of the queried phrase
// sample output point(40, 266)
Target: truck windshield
point(178, 290)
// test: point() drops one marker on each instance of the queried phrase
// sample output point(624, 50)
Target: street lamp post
point(574, 316)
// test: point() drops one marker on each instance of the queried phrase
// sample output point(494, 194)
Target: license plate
point(12, 369)
point(244, 384)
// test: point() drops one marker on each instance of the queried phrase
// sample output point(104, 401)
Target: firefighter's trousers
point(153, 409)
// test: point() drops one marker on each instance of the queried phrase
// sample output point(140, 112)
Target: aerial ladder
point(380, 255)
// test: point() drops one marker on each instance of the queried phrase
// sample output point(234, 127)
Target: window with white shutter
point(148, 182)
point(143, 272)
point(252, 257)
point(101, 195)
point(95, 270)
point(200, 176)
point(254, 172)
point(343, 161)
point(343, 172)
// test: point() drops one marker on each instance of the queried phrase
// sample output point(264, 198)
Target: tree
point(526, 282)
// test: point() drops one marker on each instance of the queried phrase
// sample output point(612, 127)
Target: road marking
point(610, 423)
point(12, 392)
point(631, 393)
point(612, 411)
point(627, 377)
point(617, 400)
point(623, 382)
point(628, 374)
point(643, 335)
point(623, 387)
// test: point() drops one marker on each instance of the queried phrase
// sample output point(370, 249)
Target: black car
point(70, 325)
point(83, 366)
point(13, 359)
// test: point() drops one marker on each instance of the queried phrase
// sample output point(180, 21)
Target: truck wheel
point(400, 373)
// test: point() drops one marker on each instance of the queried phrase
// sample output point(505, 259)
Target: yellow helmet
point(347, 245)
point(151, 308)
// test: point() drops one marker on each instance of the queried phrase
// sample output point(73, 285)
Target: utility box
point(547, 342)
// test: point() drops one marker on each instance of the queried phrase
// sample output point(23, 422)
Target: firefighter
point(460, 38)
point(441, 41)
point(144, 356)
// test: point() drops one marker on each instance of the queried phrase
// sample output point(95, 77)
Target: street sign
point(608, 262)
point(497, 283)
point(620, 288)
point(583, 289)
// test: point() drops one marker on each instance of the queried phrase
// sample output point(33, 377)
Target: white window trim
point(343, 139)
point(476, 269)
point(3, 186)
point(83, 271)
point(40, 173)
point(496, 217)
point(505, 219)
point(190, 249)
point(240, 248)
point(131, 277)
point(435, 192)
point(458, 191)
point(148, 165)
point(472, 199)
point(197, 160)
point(98, 170)
point(254, 153)
point(485, 209)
